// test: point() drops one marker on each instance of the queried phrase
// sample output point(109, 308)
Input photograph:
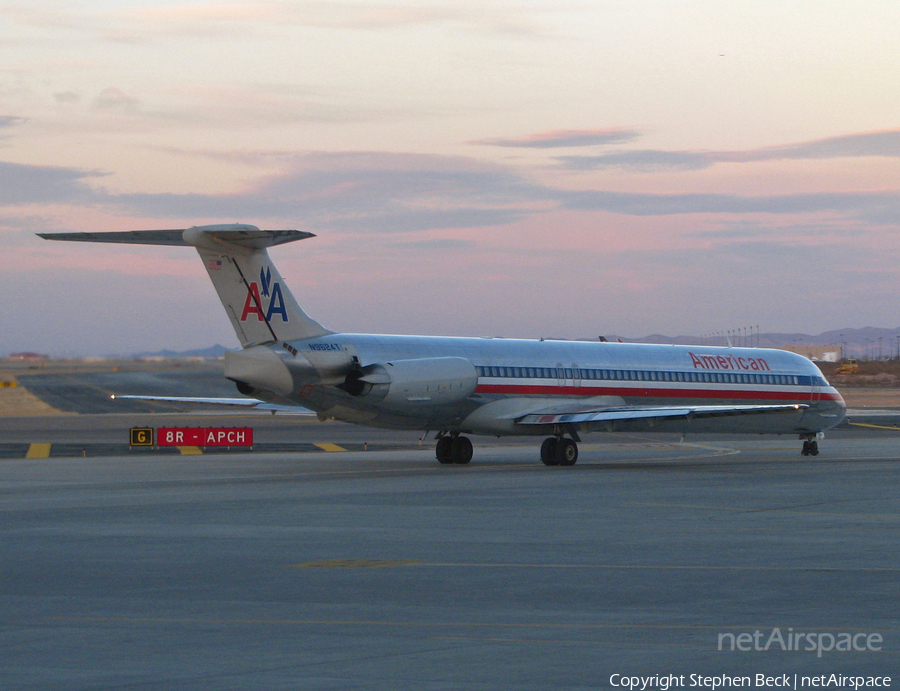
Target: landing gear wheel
point(548, 451)
point(559, 451)
point(566, 452)
point(453, 450)
point(444, 450)
point(810, 448)
point(462, 450)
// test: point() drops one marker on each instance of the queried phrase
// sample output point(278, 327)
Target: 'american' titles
point(729, 362)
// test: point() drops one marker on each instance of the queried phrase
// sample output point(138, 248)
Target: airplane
point(484, 386)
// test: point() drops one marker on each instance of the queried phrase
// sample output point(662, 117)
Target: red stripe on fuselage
point(644, 392)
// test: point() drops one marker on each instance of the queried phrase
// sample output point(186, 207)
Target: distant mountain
point(212, 352)
point(874, 338)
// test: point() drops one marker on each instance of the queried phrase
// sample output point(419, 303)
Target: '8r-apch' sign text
point(204, 436)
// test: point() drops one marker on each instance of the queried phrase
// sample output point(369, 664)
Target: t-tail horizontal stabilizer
point(259, 305)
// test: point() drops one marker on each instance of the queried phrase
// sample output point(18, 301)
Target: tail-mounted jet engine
point(430, 381)
point(258, 371)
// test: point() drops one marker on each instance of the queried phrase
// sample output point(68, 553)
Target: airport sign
point(204, 436)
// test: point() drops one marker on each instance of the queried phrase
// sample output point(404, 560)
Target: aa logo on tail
point(274, 300)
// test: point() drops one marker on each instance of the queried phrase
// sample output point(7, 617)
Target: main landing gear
point(453, 449)
point(559, 451)
point(810, 444)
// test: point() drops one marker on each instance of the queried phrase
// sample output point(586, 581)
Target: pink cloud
point(565, 138)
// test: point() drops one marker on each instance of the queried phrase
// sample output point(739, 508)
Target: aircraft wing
point(559, 415)
point(253, 403)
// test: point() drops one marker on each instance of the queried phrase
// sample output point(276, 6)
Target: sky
point(517, 169)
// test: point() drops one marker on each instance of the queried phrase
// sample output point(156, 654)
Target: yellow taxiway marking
point(189, 450)
point(354, 564)
point(519, 625)
point(774, 509)
point(667, 567)
point(38, 451)
point(330, 447)
point(387, 563)
point(865, 424)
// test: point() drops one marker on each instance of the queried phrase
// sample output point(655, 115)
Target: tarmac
point(386, 570)
point(350, 559)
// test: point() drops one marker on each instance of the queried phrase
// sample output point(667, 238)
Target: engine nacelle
point(421, 382)
point(258, 368)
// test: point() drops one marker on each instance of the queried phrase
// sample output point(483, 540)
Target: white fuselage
point(514, 377)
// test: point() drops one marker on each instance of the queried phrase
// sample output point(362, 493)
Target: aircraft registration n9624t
point(484, 386)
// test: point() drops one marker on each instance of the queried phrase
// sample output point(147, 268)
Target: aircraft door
point(568, 376)
point(815, 394)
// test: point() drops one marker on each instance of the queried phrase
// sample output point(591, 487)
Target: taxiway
point(385, 570)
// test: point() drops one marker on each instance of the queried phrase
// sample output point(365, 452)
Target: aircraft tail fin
point(259, 305)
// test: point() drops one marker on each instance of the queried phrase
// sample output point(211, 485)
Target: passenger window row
point(558, 373)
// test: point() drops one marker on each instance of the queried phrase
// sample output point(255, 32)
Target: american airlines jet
point(483, 386)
